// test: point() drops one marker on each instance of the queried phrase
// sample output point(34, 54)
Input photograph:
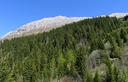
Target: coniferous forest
point(91, 50)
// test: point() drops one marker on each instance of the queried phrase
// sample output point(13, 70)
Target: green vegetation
point(92, 50)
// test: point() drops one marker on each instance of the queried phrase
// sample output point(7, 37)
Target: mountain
point(42, 25)
point(47, 24)
point(90, 50)
point(118, 15)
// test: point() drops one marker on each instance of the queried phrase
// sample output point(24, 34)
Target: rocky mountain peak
point(42, 25)
point(49, 23)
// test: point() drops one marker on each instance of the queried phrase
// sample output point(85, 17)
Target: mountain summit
point(47, 24)
point(42, 25)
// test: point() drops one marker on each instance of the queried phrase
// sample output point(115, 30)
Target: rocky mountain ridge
point(42, 25)
point(47, 24)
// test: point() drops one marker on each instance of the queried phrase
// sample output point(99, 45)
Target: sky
point(14, 13)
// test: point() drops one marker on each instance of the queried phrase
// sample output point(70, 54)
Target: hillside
point(47, 24)
point(42, 25)
point(91, 50)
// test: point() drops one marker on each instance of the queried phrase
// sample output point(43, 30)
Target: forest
point(91, 50)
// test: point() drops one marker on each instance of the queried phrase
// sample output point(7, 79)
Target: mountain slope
point(42, 25)
point(91, 50)
point(47, 24)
